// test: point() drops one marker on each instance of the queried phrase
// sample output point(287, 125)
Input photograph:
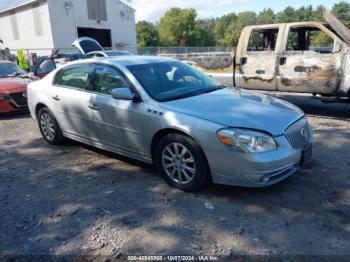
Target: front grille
point(18, 99)
point(299, 134)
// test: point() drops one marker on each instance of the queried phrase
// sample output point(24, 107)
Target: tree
point(342, 12)
point(204, 32)
point(177, 23)
point(221, 27)
point(147, 34)
point(180, 26)
point(287, 15)
point(234, 30)
point(266, 16)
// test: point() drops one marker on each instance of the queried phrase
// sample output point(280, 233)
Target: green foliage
point(175, 23)
point(205, 32)
point(147, 34)
point(266, 16)
point(221, 27)
point(234, 30)
point(226, 30)
point(342, 11)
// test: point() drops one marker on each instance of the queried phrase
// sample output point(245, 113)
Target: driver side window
point(107, 78)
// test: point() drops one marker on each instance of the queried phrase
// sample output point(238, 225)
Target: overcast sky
point(152, 10)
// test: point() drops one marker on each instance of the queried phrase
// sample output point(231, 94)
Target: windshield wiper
point(13, 74)
point(180, 97)
point(196, 93)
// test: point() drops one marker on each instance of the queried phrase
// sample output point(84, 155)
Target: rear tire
point(49, 127)
point(182, 163)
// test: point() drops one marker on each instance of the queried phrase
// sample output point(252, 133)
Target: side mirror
point(124, 93)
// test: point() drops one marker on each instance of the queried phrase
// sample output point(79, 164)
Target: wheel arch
point(166, 131)
point(38, 107)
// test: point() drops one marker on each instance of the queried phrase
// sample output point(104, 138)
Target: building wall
point(66, 20)
point(30, 32)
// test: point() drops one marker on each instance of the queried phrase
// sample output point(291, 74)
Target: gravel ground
point(74, 199)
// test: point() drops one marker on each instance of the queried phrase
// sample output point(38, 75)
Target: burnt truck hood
point(233, 107)
point(10, 85)
point(342, 31)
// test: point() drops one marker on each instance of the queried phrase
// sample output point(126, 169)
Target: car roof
point(138, 60)
point(126, 60)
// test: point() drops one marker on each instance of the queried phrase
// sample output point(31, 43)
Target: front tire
point(182, 163)
point(49, 127)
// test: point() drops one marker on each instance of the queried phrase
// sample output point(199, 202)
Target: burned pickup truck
point(307, 57)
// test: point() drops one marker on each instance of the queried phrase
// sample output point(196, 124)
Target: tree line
point(181, 27)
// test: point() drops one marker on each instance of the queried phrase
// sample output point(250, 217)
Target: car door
point(72, 101)
point(310, 60)
point(120, 122)
point(257, 57)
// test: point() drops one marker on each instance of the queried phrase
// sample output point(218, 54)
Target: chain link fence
point(36, 55)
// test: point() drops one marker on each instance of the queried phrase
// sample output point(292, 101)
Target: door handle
point(94, 107)
point(56, 98)
point(243, 60)
point(283, 60)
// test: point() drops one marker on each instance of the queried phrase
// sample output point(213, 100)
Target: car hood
point(233, 107)
point(10, 85)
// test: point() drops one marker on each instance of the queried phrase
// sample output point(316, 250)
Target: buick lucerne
point(162, 111)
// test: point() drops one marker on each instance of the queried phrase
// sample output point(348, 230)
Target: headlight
point(247, 141)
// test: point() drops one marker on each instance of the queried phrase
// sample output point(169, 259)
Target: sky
point(152, 10)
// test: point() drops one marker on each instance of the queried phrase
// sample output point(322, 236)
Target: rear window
point(89, 46)
point(75, 76)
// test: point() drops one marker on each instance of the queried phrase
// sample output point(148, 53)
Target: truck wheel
point(182, 163)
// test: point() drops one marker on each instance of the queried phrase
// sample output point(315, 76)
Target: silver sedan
point(162, 111)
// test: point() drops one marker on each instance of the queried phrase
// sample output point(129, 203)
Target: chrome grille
point(299, 134)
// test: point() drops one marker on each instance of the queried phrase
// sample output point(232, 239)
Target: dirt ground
point(74, 199)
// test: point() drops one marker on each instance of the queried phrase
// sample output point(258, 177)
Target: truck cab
point(306, 57)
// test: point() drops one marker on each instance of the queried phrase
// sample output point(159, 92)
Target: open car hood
point(87, 45)
point(342, 31)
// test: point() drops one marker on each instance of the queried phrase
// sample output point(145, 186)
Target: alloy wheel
point(178, 163)
point(47, 126)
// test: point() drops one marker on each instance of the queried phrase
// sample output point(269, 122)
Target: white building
point(48, 24)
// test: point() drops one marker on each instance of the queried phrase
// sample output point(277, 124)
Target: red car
point(13, 87)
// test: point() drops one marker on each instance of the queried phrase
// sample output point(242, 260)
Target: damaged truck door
point(310, 60)
point(306, 57)
point(257, 55)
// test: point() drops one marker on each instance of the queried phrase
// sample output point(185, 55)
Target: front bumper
point(258, 170)
point(13, 103)
point(7, 107)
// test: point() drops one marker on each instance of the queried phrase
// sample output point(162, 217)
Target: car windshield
point(174, 80)
point(10, 69)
